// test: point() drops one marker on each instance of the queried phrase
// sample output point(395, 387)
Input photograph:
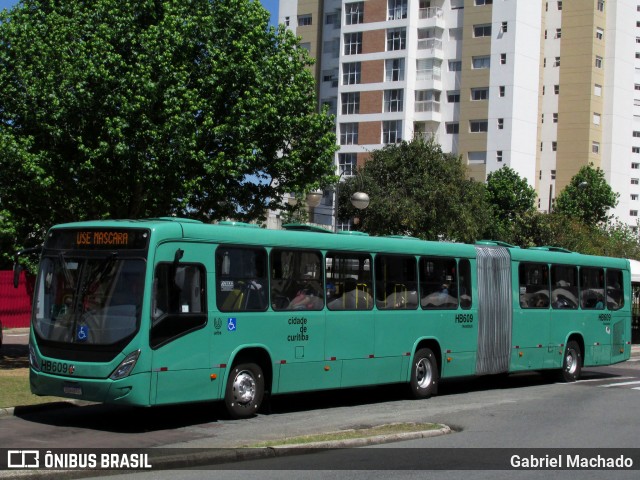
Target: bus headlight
point(125, 367)
point(33, 358)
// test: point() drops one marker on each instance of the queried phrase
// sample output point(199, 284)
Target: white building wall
point(622, 105)
point(519, 75)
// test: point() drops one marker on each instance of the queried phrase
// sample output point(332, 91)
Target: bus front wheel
point(424, 374)
point(245, 390)
point(572, 362)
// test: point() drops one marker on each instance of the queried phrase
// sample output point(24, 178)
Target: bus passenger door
point(179, 334)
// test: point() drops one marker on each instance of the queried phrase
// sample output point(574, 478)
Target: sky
point(271, 5)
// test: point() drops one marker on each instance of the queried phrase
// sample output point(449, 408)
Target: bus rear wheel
point(572, 362)
point(424, 374)
point(244, 391)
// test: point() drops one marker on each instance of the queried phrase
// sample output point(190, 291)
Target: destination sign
point(98, 239)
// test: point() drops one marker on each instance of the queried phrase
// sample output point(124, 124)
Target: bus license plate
point(72, 389)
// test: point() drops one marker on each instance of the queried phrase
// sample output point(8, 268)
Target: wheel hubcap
point(423, 373)
point(244, 387)
point(571, 362)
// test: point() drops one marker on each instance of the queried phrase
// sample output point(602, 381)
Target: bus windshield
point(90, 301)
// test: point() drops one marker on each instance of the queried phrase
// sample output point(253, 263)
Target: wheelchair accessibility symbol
point(231, 324)
point(82, 333)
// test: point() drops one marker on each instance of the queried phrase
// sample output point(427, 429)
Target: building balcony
point(427, 111)
point(432, 46)
point(431, 17)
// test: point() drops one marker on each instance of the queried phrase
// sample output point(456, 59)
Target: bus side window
point(615, 290)
point(296, 280)
point(438, 283)
point(396, 282)
point(534, 285)
point(564, 287)
point(179, 301)
point(592, 288)
point(241, 279)
point(348, 281)
point(464, 282)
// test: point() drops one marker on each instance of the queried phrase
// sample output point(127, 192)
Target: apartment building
point(544, 87)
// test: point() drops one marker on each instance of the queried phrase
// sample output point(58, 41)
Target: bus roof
point(168, 228)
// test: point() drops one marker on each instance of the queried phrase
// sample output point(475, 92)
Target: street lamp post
point(359, 200)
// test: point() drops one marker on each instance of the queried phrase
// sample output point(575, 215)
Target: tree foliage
point(135, 108)
point(588, 197)
point(416, 189)
point(512, 200)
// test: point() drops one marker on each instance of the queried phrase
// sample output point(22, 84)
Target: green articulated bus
point(170, 310)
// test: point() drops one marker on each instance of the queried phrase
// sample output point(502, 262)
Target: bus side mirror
point(17, 269)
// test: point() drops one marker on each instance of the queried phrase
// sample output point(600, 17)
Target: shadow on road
point(14, 356)
point(122, 419)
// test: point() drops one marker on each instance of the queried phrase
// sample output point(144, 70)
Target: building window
point(556, 63)
point(482, 30)
point(304, 20)
point(453, 96)
point(502, 90)
point(394, 69)
point(556, 89)
point(396, 9)
point(353, 43)
point(350, 103)
point(393, 100)
point(478, 126)
point(597, 90)
point(477, 157)
point(499, 155)
point(353, 13)
point(391, 131)
point(633, 213)
point(542, 118)
point(483, 61)
point(634, 196)
point(348, 133)
point(558, 33)
point(478, 3)
point(601, 5)
point(427, 69)
point(427, 101)
point(635, 165)
point(503, 58)
point(351, 73)
point(598, 62)
point(635, 149)
point(595, 147)
point(636, 134)
point(596, 118)
point(347, 163)
point(452, 128)
point(504, 27)
point(396, 39)
point(455, 65)
point(559, 4)
point(500, 123)
point(635, 181)
point(599, 33)
point(479, 93)
point(554, 146)
point(553, 174)
point(555, 118)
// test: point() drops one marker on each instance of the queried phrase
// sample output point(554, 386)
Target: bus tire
point(424, 374)
point(572, 362)
point(244, 391)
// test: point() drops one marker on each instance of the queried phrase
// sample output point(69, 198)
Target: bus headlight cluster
point(33, 358)
point(125, 367)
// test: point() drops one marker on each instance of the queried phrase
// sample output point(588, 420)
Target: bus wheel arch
point(249, 379)
point(573, 359)
point(425, 370)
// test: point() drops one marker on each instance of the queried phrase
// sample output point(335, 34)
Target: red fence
point(15, 303)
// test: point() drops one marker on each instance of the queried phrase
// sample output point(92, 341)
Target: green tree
point(512, 201)
point(135, 108)
point(588, 197)
point(416, 189)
